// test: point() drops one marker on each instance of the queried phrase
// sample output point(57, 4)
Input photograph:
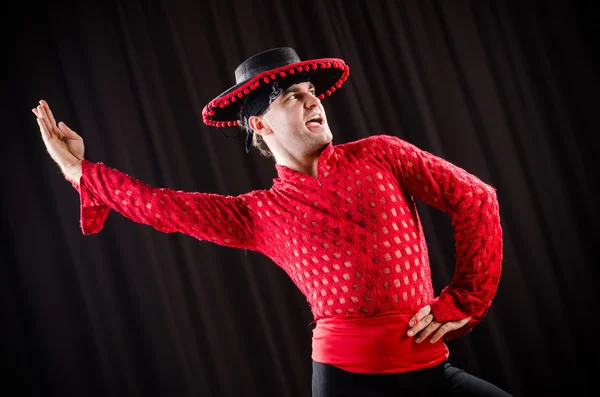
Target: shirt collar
point(287, 174)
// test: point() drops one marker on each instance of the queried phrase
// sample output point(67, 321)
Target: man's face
point(296, 121)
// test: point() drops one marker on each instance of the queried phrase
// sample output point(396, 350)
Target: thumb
point(66, 131)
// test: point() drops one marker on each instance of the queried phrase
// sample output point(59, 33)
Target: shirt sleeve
point(473, 208)
point(224, 220)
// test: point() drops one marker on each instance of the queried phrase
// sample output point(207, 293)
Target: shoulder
point(362, 143)
point(375, 145)
point(255, 196)
point(373, 140)
point(265, 197)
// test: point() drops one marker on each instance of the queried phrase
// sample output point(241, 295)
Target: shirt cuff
point(92, 212)
point(444, 310)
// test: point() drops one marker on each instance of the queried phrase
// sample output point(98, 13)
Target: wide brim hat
point(326, 74)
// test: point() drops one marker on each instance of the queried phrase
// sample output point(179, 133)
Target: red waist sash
point(377, 344)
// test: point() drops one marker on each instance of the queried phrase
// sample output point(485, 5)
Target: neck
point(304, 164)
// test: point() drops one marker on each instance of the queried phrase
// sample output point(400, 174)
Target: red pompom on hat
point(327, 75)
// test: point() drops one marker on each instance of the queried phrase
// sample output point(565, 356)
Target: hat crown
point(264, 61)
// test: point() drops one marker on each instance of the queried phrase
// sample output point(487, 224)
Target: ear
point(258, 126)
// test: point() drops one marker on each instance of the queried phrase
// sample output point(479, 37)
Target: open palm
point(63, 144)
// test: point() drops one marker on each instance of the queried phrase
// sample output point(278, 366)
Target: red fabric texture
point(376, 344)
point(350, 239)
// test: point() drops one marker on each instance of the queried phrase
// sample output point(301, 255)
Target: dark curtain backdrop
point(506, 90)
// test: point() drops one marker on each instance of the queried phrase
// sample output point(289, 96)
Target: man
point(339, 219)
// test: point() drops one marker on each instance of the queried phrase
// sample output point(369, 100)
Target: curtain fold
point(506, 90)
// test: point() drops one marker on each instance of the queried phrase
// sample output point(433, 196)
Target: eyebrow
point(296, 89)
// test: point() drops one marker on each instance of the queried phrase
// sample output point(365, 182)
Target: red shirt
point(350, 239)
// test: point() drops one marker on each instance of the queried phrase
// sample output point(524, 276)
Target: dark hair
point(257, 139)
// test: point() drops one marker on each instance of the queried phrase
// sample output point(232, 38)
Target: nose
point(312, 101)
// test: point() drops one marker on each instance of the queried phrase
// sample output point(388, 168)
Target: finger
point(441, 331)
point(48, 112)
point(425, 321)
point(44, 118)
point(431, 328)
point(447, 327)
point(67, 132)
point(44, 131)
point(424, 311)
point(45, 122)
point(42, 110)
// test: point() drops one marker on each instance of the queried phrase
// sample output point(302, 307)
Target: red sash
point(376, 344)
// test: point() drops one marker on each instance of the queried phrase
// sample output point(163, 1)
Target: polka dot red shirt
point(350, 239)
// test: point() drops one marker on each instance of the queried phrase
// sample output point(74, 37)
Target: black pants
point(442, 380)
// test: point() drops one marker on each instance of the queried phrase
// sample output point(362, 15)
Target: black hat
point(327, 75)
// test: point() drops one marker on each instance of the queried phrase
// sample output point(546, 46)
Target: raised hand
point(63, 144)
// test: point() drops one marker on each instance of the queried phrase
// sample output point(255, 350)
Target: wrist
point(73, 172)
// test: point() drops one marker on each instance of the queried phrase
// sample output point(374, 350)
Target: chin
point(317, 139)
point(328, 135)
point(324, 132)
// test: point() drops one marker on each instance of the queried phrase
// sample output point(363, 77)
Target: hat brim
point(327, 75)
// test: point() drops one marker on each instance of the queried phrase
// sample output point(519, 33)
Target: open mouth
point(315, 121)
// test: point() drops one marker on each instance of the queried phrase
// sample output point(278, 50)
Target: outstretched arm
point(225, 220)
